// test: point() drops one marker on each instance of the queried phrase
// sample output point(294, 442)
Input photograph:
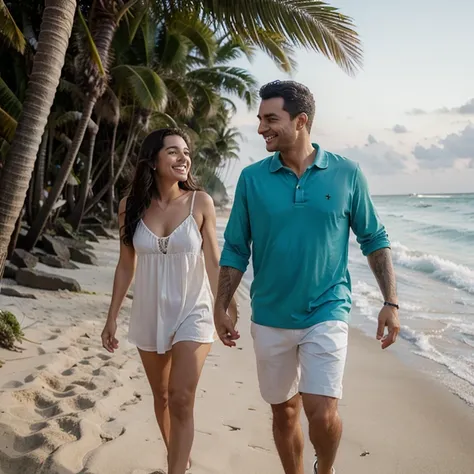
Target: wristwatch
point(393, 305)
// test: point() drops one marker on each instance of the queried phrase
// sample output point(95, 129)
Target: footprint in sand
point(259, 448)
point(34, 402)
point(104, 357)
point(233, 428)
point(13, 384)
point(137, 398)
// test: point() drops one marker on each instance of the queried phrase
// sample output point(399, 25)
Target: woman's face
point(174, 161)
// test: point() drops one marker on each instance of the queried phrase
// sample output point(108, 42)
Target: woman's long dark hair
point(143, 187)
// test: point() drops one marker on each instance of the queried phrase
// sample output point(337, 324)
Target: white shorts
point(291, 361)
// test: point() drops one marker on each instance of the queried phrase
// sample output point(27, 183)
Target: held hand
point(109, 341)
point(388, 318)
point(233, 311)
point(225, 328)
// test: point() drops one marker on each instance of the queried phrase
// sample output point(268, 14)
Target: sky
point(408, 116)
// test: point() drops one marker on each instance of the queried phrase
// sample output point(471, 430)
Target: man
point(296, 208)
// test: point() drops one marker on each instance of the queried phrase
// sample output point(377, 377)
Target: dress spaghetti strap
point(192, 203)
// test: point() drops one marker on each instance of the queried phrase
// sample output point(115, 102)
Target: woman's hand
point(109, 341)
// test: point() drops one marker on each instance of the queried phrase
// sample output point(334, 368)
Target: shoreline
point(69, 404)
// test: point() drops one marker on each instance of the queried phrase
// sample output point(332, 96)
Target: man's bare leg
point(325, 429)
point(288, 434)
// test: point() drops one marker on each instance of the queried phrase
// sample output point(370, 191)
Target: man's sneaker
point(315, 468)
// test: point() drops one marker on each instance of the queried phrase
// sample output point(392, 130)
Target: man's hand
point(225, 327)
point(388, 318)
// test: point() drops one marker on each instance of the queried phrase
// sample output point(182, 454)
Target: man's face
point(276, 126)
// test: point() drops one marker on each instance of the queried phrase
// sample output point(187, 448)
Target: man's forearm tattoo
point(382, 267)
point(229, 279)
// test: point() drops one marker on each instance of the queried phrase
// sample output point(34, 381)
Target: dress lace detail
point(163, 244)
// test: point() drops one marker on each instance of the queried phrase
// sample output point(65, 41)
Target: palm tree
point(93, 67)
point(56, 27)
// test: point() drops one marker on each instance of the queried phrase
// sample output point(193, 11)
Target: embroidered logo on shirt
point(328, 196)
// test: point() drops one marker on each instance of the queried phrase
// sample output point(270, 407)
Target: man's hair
point(297, 98)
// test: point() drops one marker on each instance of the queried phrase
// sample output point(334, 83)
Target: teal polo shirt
point(297, 232)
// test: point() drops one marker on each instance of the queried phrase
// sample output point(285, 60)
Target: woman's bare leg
point(157, 369)
point(187, 362)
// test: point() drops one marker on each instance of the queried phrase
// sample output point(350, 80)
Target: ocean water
point(433, 252)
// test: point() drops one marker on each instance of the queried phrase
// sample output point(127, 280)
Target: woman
point(168, 235)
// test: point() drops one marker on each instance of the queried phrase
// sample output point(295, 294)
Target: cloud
point(417, 112)
point(399, 128)
point(465, 109)
point(442, 155)
point(378, 158)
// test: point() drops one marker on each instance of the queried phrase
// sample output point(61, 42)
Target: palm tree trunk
point(29, 196)
point(56, 27)
point(111, 194)
point(51, 130)
point(38, 193)
point(45, 211)
point(78, 212)
point(16, 233)
point(98, 174)
point(114, 178)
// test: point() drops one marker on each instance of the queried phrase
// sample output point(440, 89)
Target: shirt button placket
point(299, 194)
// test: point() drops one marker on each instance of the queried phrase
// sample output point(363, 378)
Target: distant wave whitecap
point(457, 275)
point(433, 196)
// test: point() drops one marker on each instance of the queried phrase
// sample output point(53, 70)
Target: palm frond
point(137, 20)
point(4, 148)
point(232, 80)
point(277, 47)
point(161, 120)
point(171, 49)
point(10, 31)
point(148, 31)
point(201, 36)
point(7, 126)
point(127, 113)
point(309, 24)
point(232, 50)
point(179, 100)
point(125, 9)
point(9, 101)
point(205, 99)
point(146, 85)
point(90, 40)
point(72, 117)
point(232, 108)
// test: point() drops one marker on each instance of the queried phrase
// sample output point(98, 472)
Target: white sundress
point(172, 298)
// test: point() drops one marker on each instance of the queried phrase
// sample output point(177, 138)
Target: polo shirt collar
point(320, 160)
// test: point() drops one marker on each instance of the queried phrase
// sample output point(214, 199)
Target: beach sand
point(67, 406)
